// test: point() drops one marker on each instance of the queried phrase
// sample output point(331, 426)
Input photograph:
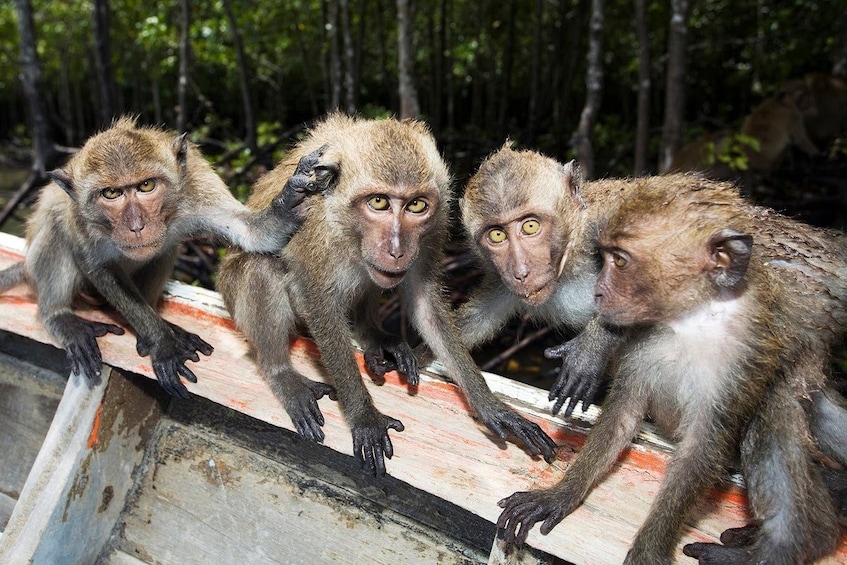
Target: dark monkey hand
point(371, 444)
point(301, 403)
point(81, 345)
point(393, 355)
point(169, 356)
point(502, 420)
point(579, 377)
point(523, 509)
point(310, 177)
point(738, 548)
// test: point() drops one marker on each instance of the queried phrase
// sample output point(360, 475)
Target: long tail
point(12, 276)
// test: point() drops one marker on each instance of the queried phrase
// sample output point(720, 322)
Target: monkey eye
point(531, 227)
point(378, 202)
point(146, 186)
point(620, 260)
point(496, 235)
point(110, 193)
point(416, 206)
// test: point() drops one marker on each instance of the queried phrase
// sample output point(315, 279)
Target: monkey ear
point(180, 149)
point(572, 174)
point(63, 179)
point(729, 255)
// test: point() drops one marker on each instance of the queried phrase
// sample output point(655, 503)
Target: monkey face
point(135, 216)
point(394, 221)
point(525, 254)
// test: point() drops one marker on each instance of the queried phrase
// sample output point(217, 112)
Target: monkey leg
point(257, 298)
point(828, 423)
point(612, 433)
point(795, 520)
point(584, 362)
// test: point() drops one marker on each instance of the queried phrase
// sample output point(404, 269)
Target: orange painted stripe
point(93, 438)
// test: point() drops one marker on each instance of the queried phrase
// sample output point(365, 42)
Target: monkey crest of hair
point(382, 225)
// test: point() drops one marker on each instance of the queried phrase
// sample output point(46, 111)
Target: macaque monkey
point(823, 106)
point(109, 224)
point(776, 124)
point(713, 334)
point(528, 218)
point(381, 227)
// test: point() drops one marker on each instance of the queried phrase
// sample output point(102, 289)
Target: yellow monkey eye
point(378, 202)
point(619, 260)
point(146, 186)
point(110, 193)
point(416, 206)
point(496, 235)
point(531, 227)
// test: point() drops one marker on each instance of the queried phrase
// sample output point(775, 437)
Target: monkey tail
point(12, 276)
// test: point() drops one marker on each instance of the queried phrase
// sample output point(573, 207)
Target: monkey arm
point(486, 312)
point(435, 324)
point(614, 430)
point(371, 444)
point(585, 359)
point(268, 230)
point(168, 349)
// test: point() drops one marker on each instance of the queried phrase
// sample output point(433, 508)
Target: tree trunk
point(334, 56)
point(409, 105)
point(349, 58)
point(238, 45)
point(44, 152)
point(103, 63)
point(675, 85)
point(535, 70)
point(642, 135)
point(506, 78)
point(839, 63)
point(593, 91)
point(184, 65)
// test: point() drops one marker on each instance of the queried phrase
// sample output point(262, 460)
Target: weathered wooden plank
point(443, 450)
point(79, 482)
point(206, 500)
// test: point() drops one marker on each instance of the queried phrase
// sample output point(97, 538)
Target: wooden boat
point(121, 474)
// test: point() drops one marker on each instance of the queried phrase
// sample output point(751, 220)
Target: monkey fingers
point(309, 177)
point(81, 345)
point(371, 444)
point(577, 380)
point(716, 554)
point(523, 510)
point(169, 359)
point(402, 360)
point(302, 407)
point(506, 421)
point(191, 341)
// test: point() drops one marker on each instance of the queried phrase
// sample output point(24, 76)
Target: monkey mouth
point(137, 250)
point(385, 278)
point(536, 296)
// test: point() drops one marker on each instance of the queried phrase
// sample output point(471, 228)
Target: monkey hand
point(523, 509)
point(81, 345)
point(371, 444)
point(310, 176)
point(393, 356)
point(502, 420)
point(169, 356)
point(579, 377)
point(301, 403)
point(738, 548)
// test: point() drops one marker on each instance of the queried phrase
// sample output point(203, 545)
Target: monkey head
point(391, 192)
point(123, 184)
point(519, 211)
point(667, 251)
